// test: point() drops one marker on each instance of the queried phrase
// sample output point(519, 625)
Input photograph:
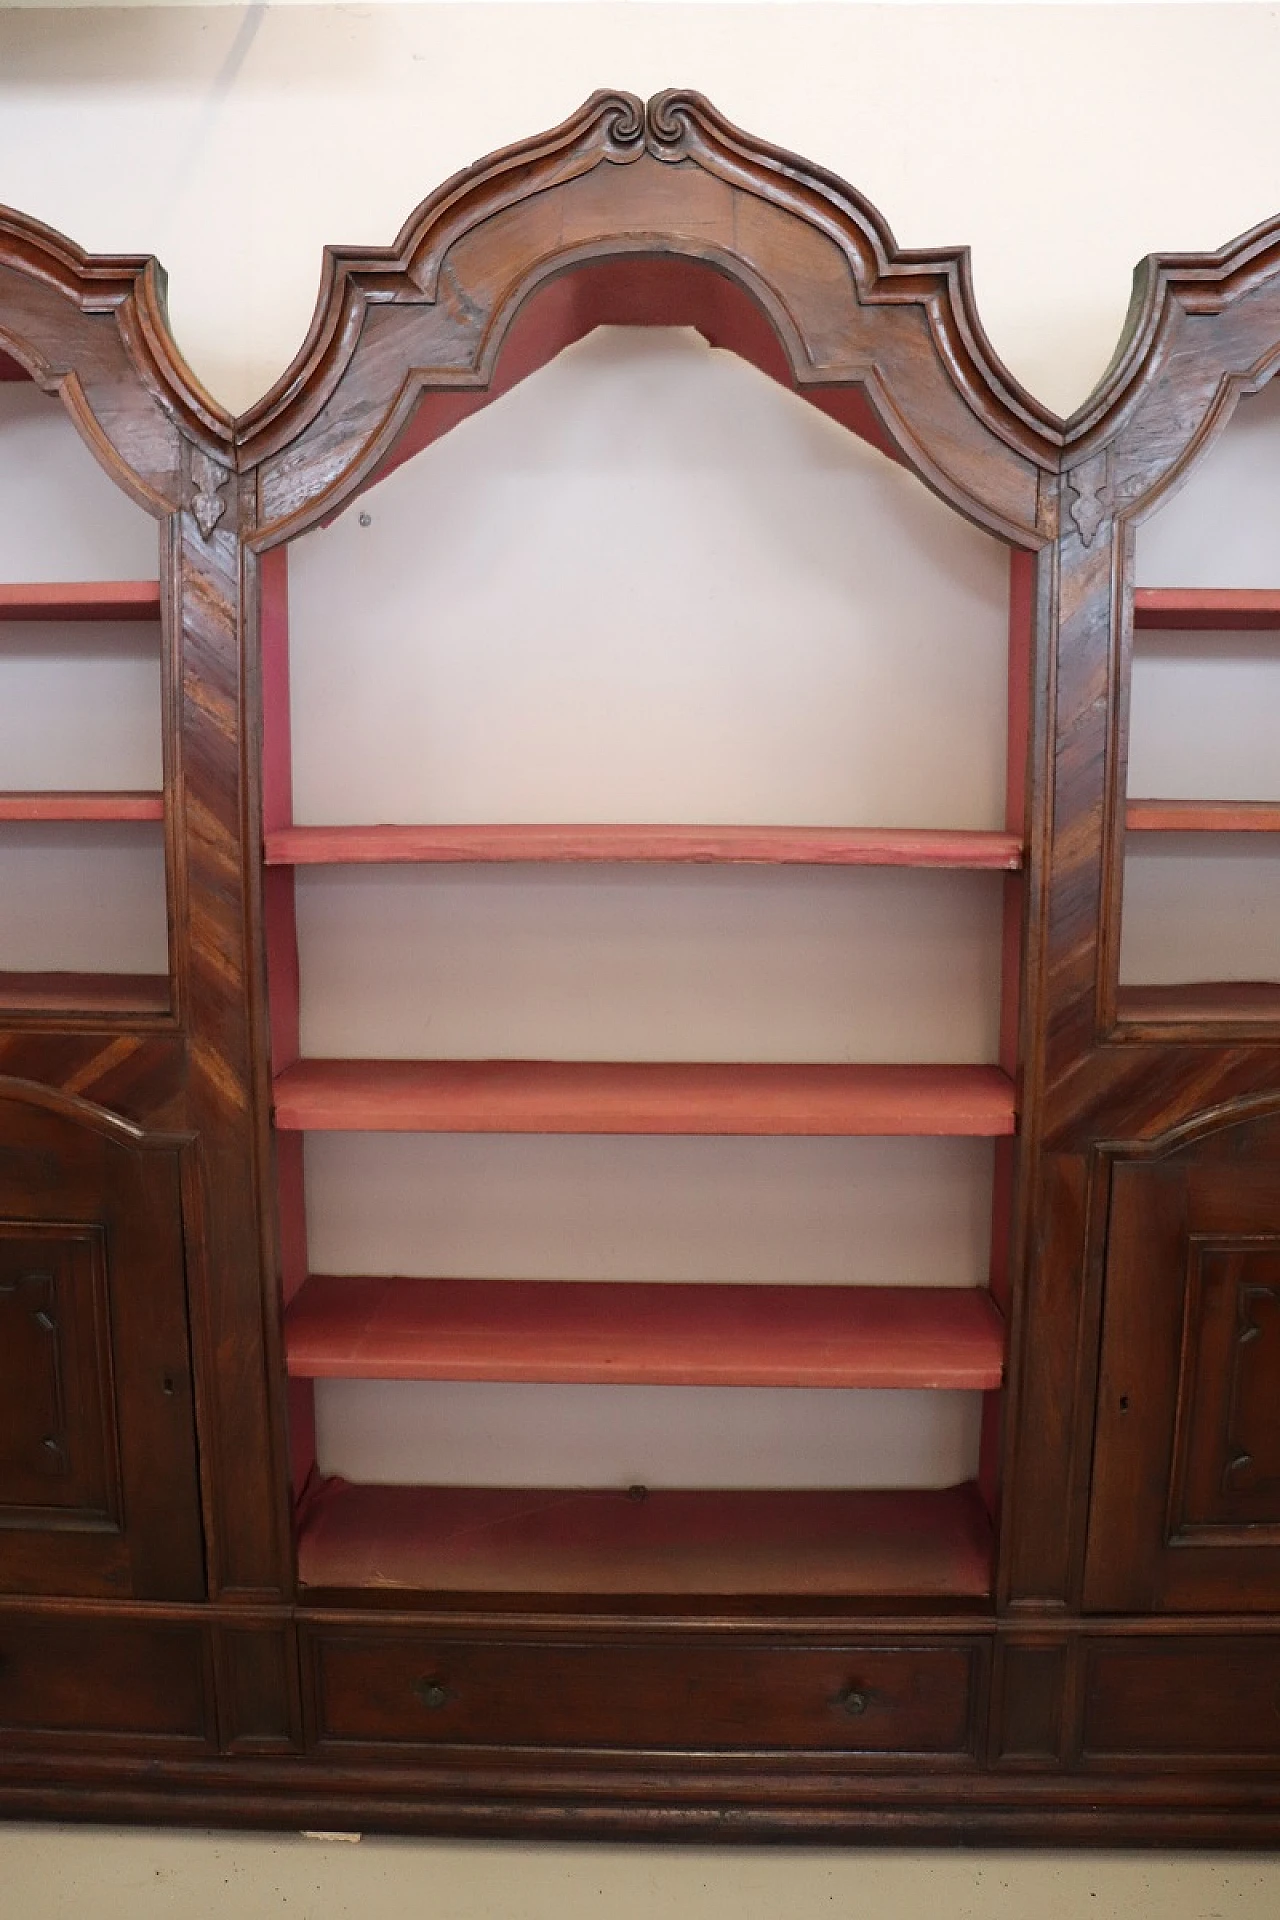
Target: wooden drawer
point(394, 1687)
point(1190, 1697)
point(79, 1677)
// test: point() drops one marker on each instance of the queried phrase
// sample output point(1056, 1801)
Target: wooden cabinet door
point(1185, 1509)
point(98, 1484)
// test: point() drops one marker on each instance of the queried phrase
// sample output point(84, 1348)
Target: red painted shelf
point(932, 1545)
point(80, 600)
point(762, 846)
point(528, 1096)
point(11, 369)
point(127, 993)
point(1202, 1001)
point(1202, 816)
point(370, 1328)
point(81, 806)
point(1207, 609)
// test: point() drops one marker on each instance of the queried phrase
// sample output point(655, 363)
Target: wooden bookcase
point(198, 1620)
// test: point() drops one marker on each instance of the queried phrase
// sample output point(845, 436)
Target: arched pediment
point(93, 329)
point(657, 214)
point(1202, 332)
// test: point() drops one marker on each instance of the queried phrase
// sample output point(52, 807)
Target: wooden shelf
point(81, 806)
point(371, 1328)
point(761, 846)
point(1202, 1001)
point(1206, 609)
point(1202, 816)
point(525, 1096)
point(84, 993)
point(80, 600)
point(926, 1545)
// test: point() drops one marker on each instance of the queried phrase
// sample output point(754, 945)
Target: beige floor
point(59, 1873)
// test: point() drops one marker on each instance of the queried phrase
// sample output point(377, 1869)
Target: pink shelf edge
point(1202, 816)
point(103, 805)
point(80, 600)
point(766, 846)
point(1206, 609)
point(375, 1328)
point(592, 1097)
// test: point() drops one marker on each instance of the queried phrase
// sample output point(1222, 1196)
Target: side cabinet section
point(99, 1492)
point(1186, 1498)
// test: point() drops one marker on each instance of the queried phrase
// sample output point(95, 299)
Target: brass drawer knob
point(853, 1700)
point(431, 1693)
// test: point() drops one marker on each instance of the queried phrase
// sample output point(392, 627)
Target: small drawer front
point(1187, 1698)
point(394, 1688)
point(76, 1677)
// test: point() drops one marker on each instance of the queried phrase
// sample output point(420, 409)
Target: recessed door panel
point(98, 1483)
point(58, 1446)
point(1185, 1507)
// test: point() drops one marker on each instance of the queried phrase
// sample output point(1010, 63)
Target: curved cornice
point(677, 129)
point(1166, 285)
point(684, 125)
point(127, 289)
point(608, 126)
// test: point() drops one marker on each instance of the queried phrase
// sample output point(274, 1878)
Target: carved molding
point(128, 292)
point(676, 128)
point(1167, 287)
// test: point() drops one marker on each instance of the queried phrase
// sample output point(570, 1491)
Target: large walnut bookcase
point(1083, 1642)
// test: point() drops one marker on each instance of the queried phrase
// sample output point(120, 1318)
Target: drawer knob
point(853, 1700)
point(431, 1693)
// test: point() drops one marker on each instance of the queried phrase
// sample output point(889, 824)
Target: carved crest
point(207, 503)
point(1090, 485)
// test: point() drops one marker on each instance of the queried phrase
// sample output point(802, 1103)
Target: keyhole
point(1124, 1403)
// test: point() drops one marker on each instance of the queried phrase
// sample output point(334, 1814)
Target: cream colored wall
point(1061, 142)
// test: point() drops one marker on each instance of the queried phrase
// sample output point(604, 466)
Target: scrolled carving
point(671, 115)
point(622, 115)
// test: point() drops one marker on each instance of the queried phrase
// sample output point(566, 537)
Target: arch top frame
point(1202, 332)
point(629, 213)
point(93, 330)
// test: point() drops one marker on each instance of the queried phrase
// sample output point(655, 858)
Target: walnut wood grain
point(126, 993)
point(1147, 1115)
point(1202, 1001)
